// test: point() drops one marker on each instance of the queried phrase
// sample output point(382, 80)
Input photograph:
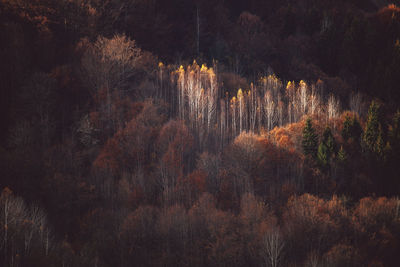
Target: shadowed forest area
point(199, 133)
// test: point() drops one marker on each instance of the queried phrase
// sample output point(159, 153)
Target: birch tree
point(272, 247)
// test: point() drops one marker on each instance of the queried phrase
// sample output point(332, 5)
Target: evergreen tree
point(327, 148)
point(380, 144)
point(342, 155)
point(373, 134)
point(310, 140)
point(329, 140)
point(351, 129)
point(323, 155)
point(346, 131)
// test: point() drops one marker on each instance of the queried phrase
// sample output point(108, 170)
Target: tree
point(346, 128)
point(24, 233)
point(323, 155)
point(351, 130)
point(327, 148)
point(273, 245)
point(329, 140)
point(333, 107)
point(310, 140)
point(373, 133)
point(242, 160)
point(342, 155)
point(110, 63)
point(139, 236)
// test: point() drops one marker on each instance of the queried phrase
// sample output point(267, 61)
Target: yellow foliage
point(273, 77)
point(264, 79)
point(181, 69)
point(303, 83)
point(239, 94)
point(211, 72)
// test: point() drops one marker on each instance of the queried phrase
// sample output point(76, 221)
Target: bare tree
point(241, 101)
point(253, 106)
point(110, 63)
point(315, 101)
point(290, 94)
point(333, 108)
point(303, 99)
point(272, 247)
point(22, 228)
point(269, 110)
point(233, 115)
point(357, 103)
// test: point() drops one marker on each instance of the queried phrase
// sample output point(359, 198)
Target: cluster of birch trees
point(24, 230)
point(268, 103)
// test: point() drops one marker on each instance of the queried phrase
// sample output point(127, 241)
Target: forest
point(199, 133)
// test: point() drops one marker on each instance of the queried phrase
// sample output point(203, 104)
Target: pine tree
point(351, 129)
point(346, 128)
point(327, 148)
point(310, 140)
point(329, 140)
point(342, 155)
point(323, 155)
point(380, 144)
point(373, 134)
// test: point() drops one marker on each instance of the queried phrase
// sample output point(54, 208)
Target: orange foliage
point(388, 13)
point(191, 187)
point(316, 220)
point(377, 223)
point(131, 146)
point(288, 137)
point(371, 213)
point(197, 180)
point(173, 143)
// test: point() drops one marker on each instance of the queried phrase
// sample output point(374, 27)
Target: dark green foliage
point(373, 138)
point(329, 140)
point(323, 155)
point(327, 148)
point(346, 128)
point(351, 129)
point(342, 155)
point(310, 140)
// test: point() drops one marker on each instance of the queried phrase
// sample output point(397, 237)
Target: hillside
point(199, 133)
